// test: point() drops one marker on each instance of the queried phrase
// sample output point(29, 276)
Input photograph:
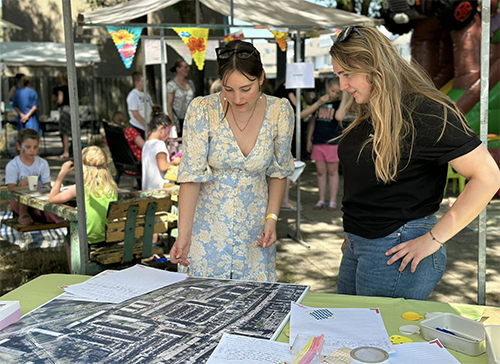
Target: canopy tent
point(8, 25)
point(296, 14)
point(46, 54)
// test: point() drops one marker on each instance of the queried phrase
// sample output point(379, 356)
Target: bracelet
point(319, 104)
point(272, 216)
point(433, 238)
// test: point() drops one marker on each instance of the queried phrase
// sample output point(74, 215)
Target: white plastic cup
point(32, 182)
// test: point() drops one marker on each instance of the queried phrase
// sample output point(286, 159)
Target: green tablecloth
point(42, 289)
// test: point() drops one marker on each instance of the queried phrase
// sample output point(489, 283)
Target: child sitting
point(133, 137)
point(100, 190)
point(27, 163)
point(155, 156)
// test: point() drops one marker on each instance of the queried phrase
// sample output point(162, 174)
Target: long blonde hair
point(398, 88)
point(96, 177)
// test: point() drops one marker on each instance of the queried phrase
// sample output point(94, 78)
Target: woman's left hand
point(413, 251)
point(269, 235)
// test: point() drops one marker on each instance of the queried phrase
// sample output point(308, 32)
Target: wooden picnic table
point(39, 199)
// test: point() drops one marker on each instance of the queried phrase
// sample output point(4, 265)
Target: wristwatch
point(319, 104)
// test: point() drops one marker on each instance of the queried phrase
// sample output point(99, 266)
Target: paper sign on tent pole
point(152, 49)
point(299, 75)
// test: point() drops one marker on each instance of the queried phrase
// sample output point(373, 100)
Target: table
point(44, 288)
point(39, 199)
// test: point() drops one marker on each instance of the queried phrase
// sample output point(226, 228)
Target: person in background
point(322, 143)
point(233, 142)
point(180, 92)
point(216, 86)
point(100, 189)
point(395, 157)
point(64, 113)
point(289, 94)
point(133, 138)
point(135, 104)
point(155, 156)
point(25, 102)
point(27, 163)
point(17, 86)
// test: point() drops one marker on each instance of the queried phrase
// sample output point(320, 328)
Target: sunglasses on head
point(225, 53)
point(346, 32)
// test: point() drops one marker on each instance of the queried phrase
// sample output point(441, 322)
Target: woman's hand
point(413, 251)
point(180, 250)
point(309, 146)
point(269, 235)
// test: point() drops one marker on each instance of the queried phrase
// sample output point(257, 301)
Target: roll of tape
point(368, 354)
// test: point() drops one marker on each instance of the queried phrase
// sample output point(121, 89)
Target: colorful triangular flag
point(281, 36)
point(196, 41)
point(126, 40)
point(234, 36)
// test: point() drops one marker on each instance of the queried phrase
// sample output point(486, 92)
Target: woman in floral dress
point(236, 157)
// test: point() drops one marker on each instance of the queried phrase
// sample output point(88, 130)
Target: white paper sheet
point(125, 284)
point(432, 352)
point(234, 349)
point(349, 327)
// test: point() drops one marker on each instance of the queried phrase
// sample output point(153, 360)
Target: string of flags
point(126, 40)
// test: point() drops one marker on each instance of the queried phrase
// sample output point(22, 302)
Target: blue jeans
point(364, 270)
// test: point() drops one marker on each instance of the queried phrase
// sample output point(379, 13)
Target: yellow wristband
point(272, 216)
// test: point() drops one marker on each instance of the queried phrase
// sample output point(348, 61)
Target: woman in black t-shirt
point(395, 159)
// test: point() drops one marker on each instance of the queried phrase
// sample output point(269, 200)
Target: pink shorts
point(325, 153)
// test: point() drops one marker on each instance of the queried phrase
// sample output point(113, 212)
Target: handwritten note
point(234, 349)
point(350, 327)
point(432, 352)
point(125, 284)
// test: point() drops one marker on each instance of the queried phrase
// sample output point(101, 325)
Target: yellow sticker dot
point(398, 339)
point(412, 316)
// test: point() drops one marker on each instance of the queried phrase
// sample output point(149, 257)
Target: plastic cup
point(32, 182)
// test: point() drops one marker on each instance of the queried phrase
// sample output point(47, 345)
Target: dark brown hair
point(177, 63)
point(251, 67)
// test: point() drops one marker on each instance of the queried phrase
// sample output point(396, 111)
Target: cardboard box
point(10, 312)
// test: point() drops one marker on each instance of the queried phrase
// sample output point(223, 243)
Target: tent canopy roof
point(297, 14)
point(46, 54)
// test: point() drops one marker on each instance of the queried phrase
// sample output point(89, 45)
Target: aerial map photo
point(181, 323)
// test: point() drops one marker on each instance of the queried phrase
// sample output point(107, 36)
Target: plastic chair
point(123, 157)
point(455, 176)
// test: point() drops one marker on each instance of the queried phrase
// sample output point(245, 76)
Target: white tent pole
point(483, 131)
point(163, 73)
point(298, 58)
point(76, 265)
point(145, 91)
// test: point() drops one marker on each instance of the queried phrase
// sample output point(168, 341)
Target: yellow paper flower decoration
point(122, 37)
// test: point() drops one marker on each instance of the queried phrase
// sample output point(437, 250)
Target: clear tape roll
point(369, 355)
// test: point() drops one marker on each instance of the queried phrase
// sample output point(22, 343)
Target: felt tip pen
point(164, 260)
point(460, 335)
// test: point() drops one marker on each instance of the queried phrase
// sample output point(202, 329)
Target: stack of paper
point(124, 285)
point(10, 312)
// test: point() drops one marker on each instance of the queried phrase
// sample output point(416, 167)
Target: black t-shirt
point(65, 90)
point(373, 209)
point(327, 127)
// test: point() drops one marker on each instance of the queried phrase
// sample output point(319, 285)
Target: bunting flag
point(234, 36)
point(196, 41)
point(281, 36)
point(126, 40)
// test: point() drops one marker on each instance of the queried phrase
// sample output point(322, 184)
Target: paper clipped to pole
point(152, 49)
point(299, 75)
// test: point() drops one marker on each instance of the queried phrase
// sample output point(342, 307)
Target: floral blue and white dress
point(231, 208)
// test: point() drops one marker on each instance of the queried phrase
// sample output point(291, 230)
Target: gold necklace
point(246, 124)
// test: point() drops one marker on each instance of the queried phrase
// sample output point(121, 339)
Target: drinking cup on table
point(32, 182)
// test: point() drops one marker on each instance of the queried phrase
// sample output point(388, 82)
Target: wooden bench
point(129, 232)
point(36, 226)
